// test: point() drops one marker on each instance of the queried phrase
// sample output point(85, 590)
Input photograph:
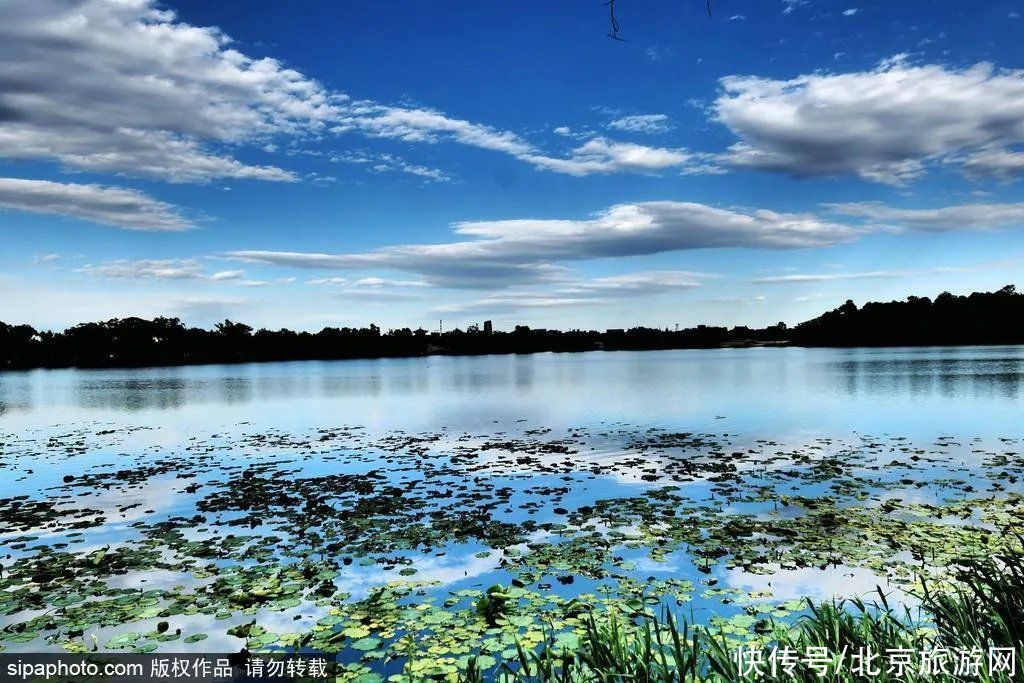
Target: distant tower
point(487, 327)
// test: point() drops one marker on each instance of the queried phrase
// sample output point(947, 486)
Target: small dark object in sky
point(614, 23)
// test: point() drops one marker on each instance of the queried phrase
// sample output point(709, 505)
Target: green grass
point(982, 607)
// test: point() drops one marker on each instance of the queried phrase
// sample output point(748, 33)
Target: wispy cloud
point(943, 219)
point(642, 123)
point(597, 155)
point(369, 285)
point(583, 292)
point(373, 288)
point(529, 250)
point(159, 269)
point(516, 302)
point(998, 163)
point(790, 5)
point(115, 206)
point(830, 277)
point(657, 53)
point(797, 278)
point(385, 283)
point(386, 163)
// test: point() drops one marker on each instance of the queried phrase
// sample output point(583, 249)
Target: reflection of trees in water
point(339, 387)
point(998, 376)
point(15, 393)
point(132, 394)
point(524, 373)
point(234, 390)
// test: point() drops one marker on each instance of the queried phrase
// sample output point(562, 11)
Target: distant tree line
point(980, 318)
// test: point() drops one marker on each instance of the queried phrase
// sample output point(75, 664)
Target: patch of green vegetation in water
point(282, 531)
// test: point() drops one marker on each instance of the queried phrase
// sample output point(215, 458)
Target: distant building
point(487, 327)
point(615, 330)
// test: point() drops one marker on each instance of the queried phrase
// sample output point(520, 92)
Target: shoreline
point(444, 352)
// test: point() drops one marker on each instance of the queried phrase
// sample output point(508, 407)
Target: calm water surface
point(959, 408)
point(766, 392)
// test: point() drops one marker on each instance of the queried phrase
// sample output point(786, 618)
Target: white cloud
point(790, 5)
point(374, 288)
point(998, 163)
point(796, 278)
point(944, 219)
point(649, 282)
point(514, 302)
point(886, 125)
point(115, 206)
point(380, 283)
point(159, 269)
point(583, 292)
point(851, 12)
point(330, 281)
point(123, 86)
point(656, 53)
point(652, 227)
point(510, 254)
point(642, 123)
point(829, 277)
point(598, 155)
point(520, 251)
point(385, 162)
point(226, 275)
point(601, 155)
point(425, 125)
point(260, 283)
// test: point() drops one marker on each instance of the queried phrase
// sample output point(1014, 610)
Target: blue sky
point(341, 163)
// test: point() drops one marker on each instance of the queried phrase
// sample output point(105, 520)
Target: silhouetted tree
point(979, 318)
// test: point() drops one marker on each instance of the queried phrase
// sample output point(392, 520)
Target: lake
point(352, 506)
point(764, 391)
